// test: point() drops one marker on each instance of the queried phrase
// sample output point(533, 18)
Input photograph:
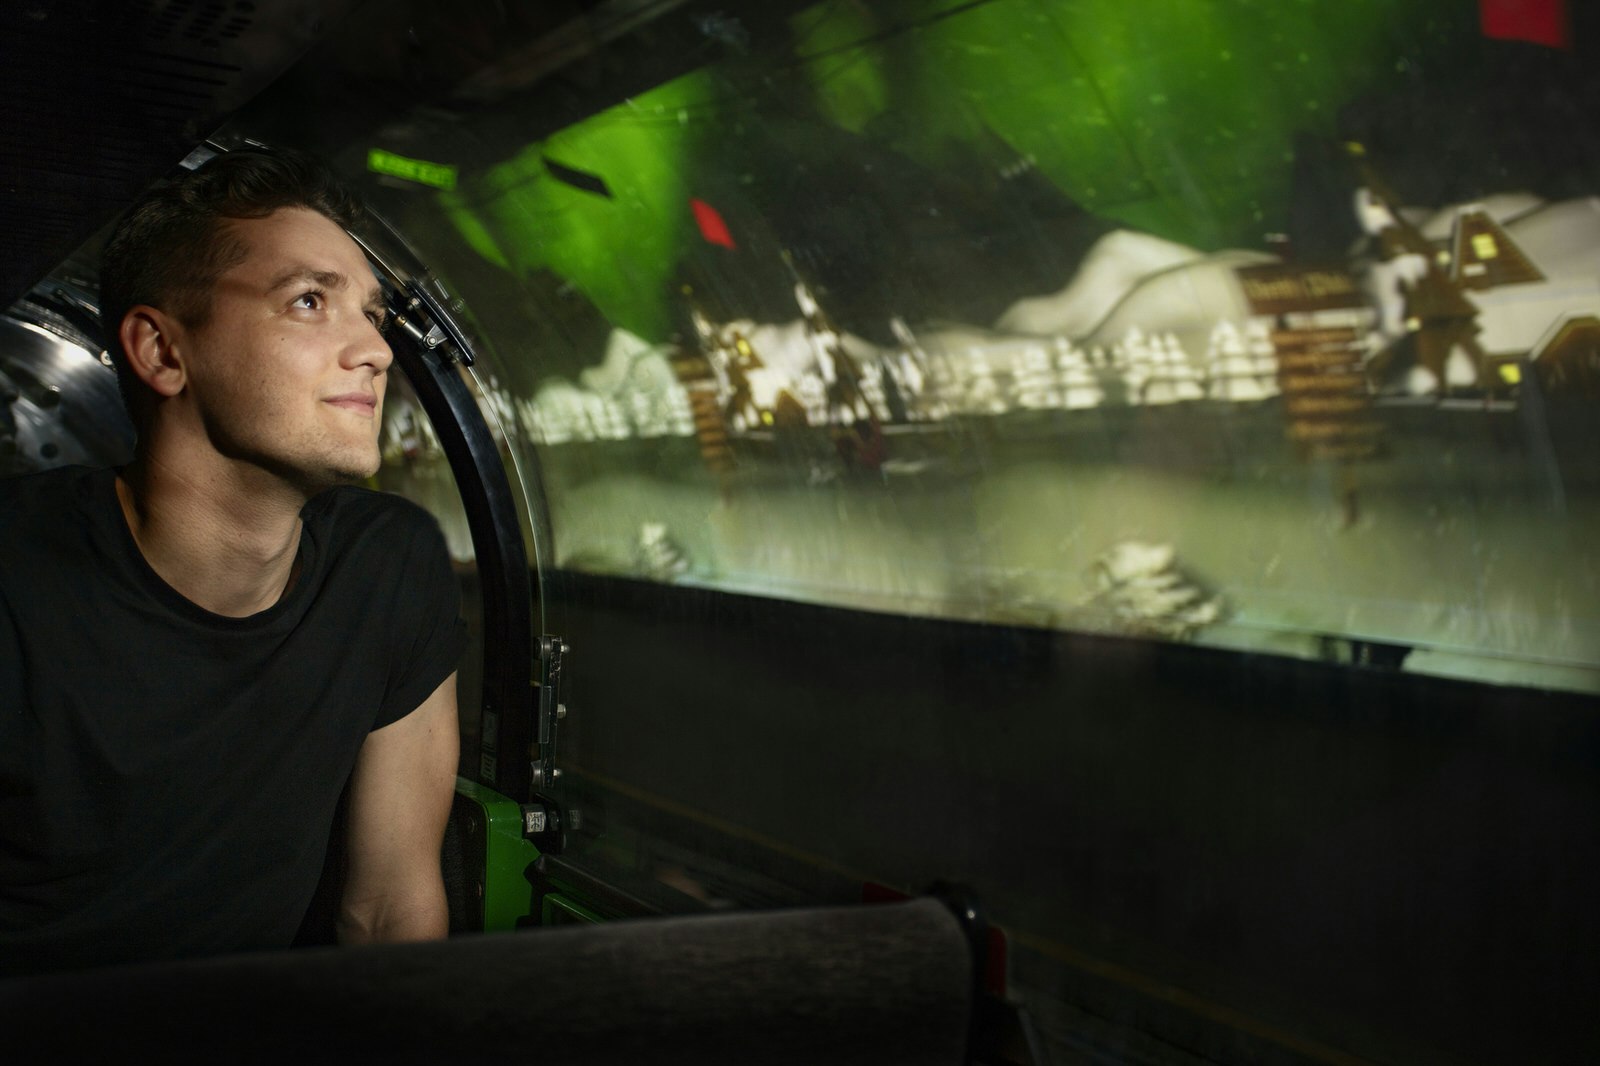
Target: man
point(199, 651)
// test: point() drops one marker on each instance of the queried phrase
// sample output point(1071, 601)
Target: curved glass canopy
point(1141, 466)
point(1264, 333)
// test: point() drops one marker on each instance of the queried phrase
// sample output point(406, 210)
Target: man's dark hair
point(172, 246)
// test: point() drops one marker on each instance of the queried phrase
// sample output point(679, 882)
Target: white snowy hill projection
point(1144, 321)
point(1269, 553)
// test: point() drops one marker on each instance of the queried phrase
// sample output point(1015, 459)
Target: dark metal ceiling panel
point(102, 98)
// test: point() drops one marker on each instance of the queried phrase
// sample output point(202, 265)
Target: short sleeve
point(428, 647)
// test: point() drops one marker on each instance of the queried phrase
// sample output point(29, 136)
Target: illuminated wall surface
point(1267, 326)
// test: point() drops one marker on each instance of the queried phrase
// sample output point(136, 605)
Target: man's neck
point(226, 539)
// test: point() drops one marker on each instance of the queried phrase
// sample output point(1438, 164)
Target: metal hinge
point(423, 316)
point(545, 819)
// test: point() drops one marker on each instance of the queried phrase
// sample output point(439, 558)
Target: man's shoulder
point(55, 482)
point(365, 521)
point(383, 557)
point(355, 505)
point(46, 496)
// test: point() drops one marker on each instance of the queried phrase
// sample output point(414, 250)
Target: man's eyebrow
point(327, 279)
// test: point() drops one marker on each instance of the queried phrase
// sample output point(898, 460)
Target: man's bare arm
point(400, 796)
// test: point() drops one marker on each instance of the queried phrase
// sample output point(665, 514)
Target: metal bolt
point(561, 710)
point(555, 773)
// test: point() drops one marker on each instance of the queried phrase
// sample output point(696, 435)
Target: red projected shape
point(712, 228)
point(1540, 21)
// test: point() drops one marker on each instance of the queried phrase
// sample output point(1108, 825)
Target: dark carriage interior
point(1139, 468)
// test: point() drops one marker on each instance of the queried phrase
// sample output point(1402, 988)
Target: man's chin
point(312, 471)
point(355, 473)
point(342, 471)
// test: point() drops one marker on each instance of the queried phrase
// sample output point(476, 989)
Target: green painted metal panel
point(507, 894)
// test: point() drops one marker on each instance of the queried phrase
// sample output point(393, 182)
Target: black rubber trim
point(507, 588)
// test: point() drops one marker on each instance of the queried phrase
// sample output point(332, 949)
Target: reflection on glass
point(1221, 327)
point(415, 466)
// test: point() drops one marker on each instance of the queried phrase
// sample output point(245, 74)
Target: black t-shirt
point(168, 776)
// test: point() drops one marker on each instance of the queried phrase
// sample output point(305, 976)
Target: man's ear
point(150, 339)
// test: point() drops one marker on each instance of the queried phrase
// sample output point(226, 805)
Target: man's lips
point(359, 402)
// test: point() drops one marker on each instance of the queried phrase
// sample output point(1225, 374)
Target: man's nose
point(368, 348)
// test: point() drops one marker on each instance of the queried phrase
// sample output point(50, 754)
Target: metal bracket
point(440, 309)
point(423, 316)
point(545, 820)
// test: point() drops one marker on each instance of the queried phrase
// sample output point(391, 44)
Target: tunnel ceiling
point(488, 80)
point(104, 98)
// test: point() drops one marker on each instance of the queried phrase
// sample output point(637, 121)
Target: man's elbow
point(419, 913)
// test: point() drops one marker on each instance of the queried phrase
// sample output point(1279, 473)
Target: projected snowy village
point(1272, 331)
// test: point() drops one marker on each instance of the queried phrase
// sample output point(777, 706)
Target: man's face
point(288, 372)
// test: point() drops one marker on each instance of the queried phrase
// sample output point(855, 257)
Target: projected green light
point(1182, 125)
point(437, 175)
point(618, 250)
